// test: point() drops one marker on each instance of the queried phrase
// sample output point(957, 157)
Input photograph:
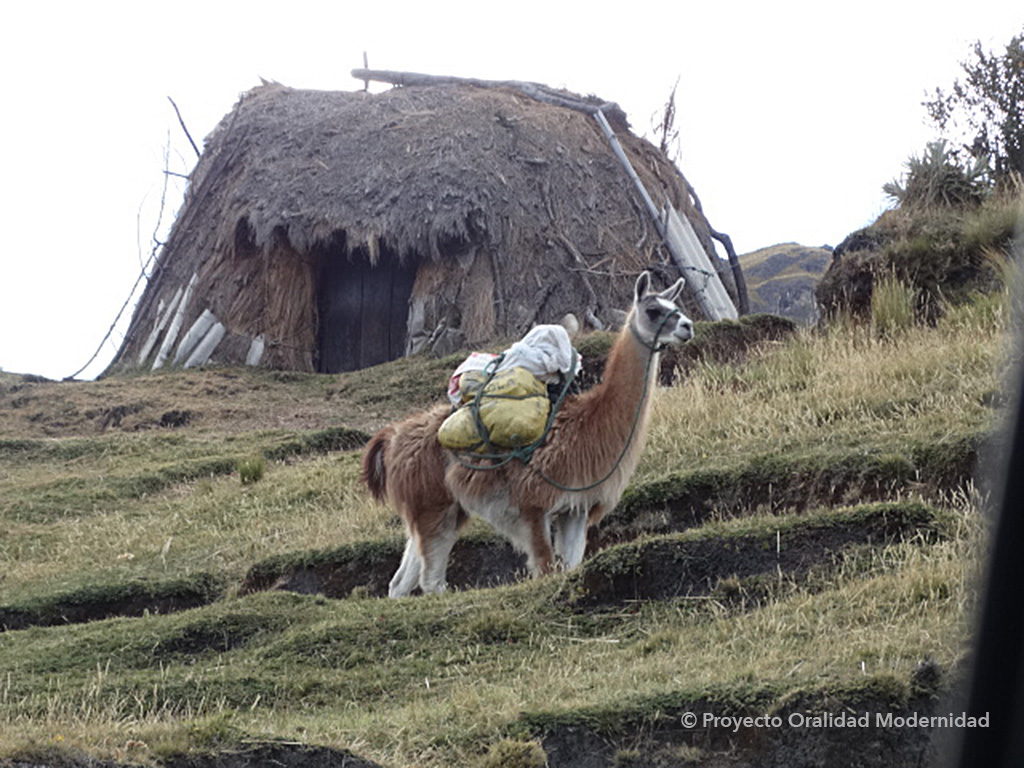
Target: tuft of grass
point(893, 305)
point(511, 753)
point(251, 470)
point(938, 178)
point(994, 225)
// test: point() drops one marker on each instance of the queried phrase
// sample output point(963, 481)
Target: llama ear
point(672, 292)
point(643, 286)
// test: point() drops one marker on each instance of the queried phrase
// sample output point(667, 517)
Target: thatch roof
point(424, 175)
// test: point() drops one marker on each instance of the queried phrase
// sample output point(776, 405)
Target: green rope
point(525, 453)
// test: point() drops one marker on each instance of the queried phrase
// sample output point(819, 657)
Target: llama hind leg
point(435, 547)
point(408, 574)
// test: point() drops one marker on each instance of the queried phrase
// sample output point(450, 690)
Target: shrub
point(984, 111)
point(994, 224)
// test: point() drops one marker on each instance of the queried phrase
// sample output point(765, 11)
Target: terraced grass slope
point(801, 538)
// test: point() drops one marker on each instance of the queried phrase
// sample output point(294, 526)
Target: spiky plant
point(937, 178)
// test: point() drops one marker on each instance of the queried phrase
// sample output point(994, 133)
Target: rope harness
point(525, 453)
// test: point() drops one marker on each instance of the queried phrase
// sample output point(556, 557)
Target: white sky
point(791, 115)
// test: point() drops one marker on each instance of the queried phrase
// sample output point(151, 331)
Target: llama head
point(657, 318)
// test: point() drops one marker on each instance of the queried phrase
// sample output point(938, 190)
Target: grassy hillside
point(802, 535)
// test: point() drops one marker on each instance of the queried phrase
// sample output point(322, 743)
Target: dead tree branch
point(144, 270)
point(181, 122)
point(669, 133)
point(726, 241)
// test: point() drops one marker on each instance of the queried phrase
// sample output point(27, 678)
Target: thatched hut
point(330, 231)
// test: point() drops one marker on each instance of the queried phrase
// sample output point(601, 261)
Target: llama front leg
point(570, 538)
point(596, 514)
point(540, 557)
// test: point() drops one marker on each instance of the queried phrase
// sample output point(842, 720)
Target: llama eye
point(654, 314)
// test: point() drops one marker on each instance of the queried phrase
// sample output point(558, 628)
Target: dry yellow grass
point(845, 387)
point(215, 524)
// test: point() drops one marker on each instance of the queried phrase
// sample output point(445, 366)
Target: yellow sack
point(514, 410)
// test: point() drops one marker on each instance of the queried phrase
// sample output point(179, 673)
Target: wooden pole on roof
point(652, 209)
point(537, 91)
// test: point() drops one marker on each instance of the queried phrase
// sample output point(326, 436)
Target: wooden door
point(363, 311)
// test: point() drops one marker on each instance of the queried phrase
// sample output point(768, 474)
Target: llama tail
point(374, 470)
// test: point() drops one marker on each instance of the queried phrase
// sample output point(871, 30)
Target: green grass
point(792, 440)
point(116, 597)
point(464, 667)
point(892, 307)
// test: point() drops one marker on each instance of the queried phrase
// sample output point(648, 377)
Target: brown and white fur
point(434, 494)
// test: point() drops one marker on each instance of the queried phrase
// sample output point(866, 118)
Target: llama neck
point(628, 376)
point(602, 432)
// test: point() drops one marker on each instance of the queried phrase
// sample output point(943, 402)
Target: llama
point(590, 453)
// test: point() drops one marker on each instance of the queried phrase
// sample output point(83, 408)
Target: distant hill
point(781, 279)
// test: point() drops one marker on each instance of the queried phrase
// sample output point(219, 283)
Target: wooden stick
point(677, 245)
point(734, 261)
point(537, 91)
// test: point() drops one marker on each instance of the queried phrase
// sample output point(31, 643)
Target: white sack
point(545, 351)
